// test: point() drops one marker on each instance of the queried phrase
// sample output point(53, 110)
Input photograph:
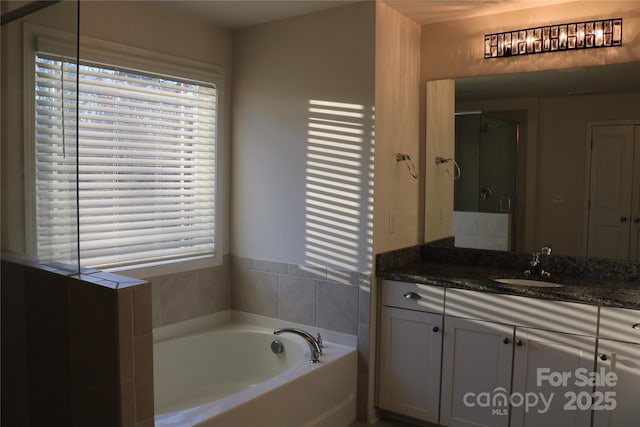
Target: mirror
point(557, 114)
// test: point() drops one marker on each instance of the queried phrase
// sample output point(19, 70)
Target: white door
point(545, 371)
point(623, 359)
point(410, 350)
point(476, 364)
point(611, 182)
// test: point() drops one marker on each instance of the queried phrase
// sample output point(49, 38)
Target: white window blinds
point(146, 163)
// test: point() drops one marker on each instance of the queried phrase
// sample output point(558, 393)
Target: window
point(146, 162)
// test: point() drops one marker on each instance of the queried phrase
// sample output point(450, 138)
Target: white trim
point(587, 174)
point(163, 268)
point(115, 54)
point(133, 58)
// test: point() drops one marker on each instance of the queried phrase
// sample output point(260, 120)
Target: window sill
point(147, 271)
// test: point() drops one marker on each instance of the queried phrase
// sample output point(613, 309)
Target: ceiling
point(236, 14)
point(432, 11)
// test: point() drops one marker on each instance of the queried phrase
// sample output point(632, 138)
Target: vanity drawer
point(618, 324)
point(569, 317)
point(413, 296)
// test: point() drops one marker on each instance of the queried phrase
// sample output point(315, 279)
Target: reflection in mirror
point(557, 114)
point(485, 196)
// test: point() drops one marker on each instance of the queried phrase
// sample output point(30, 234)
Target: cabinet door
point(410, 350)
point(549, 369)
point(624, 360)
point(476, 365)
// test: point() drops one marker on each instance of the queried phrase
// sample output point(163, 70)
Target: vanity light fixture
point(554, 38)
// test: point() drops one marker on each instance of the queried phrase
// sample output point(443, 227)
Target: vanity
point(459, 348)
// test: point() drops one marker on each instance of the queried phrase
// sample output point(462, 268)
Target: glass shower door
point(497, 165)
point(485, 194)
point(39, 212)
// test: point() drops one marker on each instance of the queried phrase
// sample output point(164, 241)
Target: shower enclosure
point(39, 221)
point(485, 194)
point(39, 217)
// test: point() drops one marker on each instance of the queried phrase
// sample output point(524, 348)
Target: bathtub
point(226, 375)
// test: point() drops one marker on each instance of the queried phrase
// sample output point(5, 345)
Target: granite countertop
point(605, 289)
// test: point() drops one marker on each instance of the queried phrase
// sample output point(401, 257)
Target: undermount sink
point(529, 282)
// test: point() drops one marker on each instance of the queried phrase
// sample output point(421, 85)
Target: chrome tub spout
point(314, 345)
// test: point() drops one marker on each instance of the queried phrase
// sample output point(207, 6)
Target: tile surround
point(310, 295)
point(15, 405)
point(87, 347)
point(297, 299)
point(337, 307)
point(482, 230)
point(184, 296)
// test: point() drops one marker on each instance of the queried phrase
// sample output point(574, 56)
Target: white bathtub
point(227, 376)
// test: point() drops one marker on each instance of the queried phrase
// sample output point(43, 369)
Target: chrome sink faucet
point(314, 343)
point(536, 262)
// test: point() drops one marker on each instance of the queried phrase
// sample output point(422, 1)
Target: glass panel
point(27, 109)
point(497, 169)
point(486, 150)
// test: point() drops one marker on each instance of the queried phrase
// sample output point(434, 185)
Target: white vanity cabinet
point(540, 357)
point(410, 349)
point(619, 353)
point(492, 341)
point(465, 358)
point(477, 359)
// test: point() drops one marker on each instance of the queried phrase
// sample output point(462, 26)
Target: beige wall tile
point(127, 404)
point(143, 348)
point(125, 317)
point(142, 309)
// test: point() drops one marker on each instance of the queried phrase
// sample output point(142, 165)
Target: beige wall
point(302, 139)
point(455, 49)
point(398, 196)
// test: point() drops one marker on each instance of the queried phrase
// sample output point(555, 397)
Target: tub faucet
point(536, 263)
point(314, 345)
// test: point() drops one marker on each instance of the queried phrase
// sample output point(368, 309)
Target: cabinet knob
point(436, 329)
point(506, 341)
point(604, 357)
point(412, 295)
point(520, 343)
point(636, 326)
point(623, 219)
